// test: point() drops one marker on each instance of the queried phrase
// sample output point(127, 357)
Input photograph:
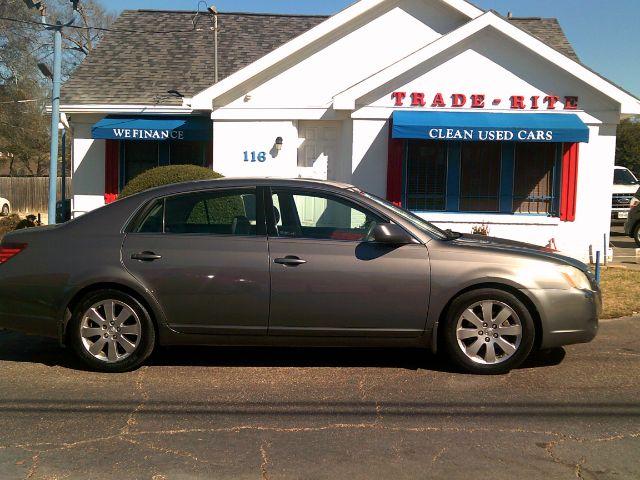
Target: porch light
point(279, 143)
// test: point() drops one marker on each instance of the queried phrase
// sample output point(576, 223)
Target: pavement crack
point(438, 455)
point(34, 466)
point(578, 469)
point(166, 451)
point(131, 420)
point(265, 461)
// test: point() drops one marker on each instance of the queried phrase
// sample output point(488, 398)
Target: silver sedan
point(287, 262)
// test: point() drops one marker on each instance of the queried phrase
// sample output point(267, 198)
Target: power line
point(101, 29)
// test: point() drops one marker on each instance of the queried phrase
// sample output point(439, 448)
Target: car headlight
point(575, 278)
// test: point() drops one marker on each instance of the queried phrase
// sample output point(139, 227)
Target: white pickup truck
point(625, 185)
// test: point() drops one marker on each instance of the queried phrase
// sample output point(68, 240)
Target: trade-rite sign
point(478, 100)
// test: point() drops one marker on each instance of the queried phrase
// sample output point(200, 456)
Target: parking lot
point(326, 413)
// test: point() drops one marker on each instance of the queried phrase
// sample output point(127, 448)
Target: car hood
point(520, 248)
point(628, 189)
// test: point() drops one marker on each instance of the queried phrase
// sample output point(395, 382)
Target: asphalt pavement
point(624, 247)
point(243, 413)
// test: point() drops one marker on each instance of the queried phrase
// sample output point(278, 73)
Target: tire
point(5, 210)
point(636, 234)
point(117, 342)
point(462, 332)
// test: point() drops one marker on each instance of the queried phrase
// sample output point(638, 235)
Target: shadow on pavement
point(16, 347)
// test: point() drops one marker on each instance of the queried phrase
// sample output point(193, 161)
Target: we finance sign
point(147, 134)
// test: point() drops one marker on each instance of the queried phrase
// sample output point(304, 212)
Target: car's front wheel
point(110, 331)
point(488, 331)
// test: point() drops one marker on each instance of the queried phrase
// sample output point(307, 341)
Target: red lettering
point(399, 97)
point(551, 102)
point(570, 103)
point(438, 101)
point(517, 102)
point(535, 102)
point(417, 99)
point(458, 100)
point(477, 101)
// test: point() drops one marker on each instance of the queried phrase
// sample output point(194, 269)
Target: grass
point(620, 292)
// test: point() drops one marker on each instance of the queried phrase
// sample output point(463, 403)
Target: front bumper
point(568, 316)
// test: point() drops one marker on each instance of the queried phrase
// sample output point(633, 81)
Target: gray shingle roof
point(133, 65)
point(549, 31)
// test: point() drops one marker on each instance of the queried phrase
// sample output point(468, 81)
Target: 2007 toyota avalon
point(288, 263)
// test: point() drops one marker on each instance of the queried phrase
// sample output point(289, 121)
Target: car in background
point(287, 263)
point(632, 225)
point(625, 185)
point(5, 207)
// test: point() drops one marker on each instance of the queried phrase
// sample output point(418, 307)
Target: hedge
point(168, 175)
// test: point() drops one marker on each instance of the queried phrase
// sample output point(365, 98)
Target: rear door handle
point(290, 261)
point(146, 256)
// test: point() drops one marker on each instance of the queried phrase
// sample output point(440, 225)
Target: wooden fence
point(29, 194)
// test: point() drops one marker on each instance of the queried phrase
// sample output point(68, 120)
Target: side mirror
point(390, 234)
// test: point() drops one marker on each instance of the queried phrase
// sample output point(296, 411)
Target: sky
point(604, 33)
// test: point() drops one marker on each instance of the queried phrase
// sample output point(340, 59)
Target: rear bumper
point(568, 316)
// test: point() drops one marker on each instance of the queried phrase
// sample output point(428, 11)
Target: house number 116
point(255, 157)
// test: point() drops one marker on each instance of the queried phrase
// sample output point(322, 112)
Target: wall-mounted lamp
point(279, 143)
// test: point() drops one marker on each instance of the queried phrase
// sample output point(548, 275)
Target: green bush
point(160, 176)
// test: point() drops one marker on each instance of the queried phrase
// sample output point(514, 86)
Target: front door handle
point(146, 256)
point(290, 261)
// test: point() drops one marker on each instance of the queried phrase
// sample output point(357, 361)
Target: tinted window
point(426, 175)
point(310, 215)
point(480, 176)
point(623, 177)
point(152, 222)
point(212, 213)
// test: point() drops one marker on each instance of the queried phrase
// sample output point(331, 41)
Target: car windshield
point(622, 176)
point(412, 218)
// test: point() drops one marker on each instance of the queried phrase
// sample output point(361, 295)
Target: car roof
point(246, 182)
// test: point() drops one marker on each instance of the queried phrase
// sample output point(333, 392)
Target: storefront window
point(480, 176)
point(187, 153)
point(533, 188)
point(139, 157)
point(426, 175)
point(500, 177)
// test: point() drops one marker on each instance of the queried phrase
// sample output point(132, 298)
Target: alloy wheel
point(110, 330)
point(489, 332)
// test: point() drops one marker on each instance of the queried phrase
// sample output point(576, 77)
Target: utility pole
point(55, 100)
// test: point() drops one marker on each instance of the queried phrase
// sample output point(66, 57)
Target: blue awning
point(148, 128)
point(482, 126)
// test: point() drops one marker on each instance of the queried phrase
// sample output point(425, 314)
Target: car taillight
point(10, 250)
point(634, 202)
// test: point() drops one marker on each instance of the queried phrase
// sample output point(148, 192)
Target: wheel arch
point(96, 287)
point(436, 343)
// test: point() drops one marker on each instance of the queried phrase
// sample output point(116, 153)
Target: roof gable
point(346, 100)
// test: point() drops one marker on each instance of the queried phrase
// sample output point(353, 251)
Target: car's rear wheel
point(636, 234)
point(488, 331)
point(110, 331)
point(5, 210)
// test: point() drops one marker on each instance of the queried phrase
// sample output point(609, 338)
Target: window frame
point(141, 214)
point(272, 230)
point(506, 186)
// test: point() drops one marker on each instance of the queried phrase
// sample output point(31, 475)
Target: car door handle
point(146, 256)
point(290, 261)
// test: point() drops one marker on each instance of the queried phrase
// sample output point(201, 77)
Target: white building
point(460, 115)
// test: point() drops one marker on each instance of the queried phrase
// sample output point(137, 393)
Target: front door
point(328, 280)
point(205, 258)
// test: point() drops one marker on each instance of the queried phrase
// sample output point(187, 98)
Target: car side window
point(319, 216)
point(153, 220)
point(230, 212)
